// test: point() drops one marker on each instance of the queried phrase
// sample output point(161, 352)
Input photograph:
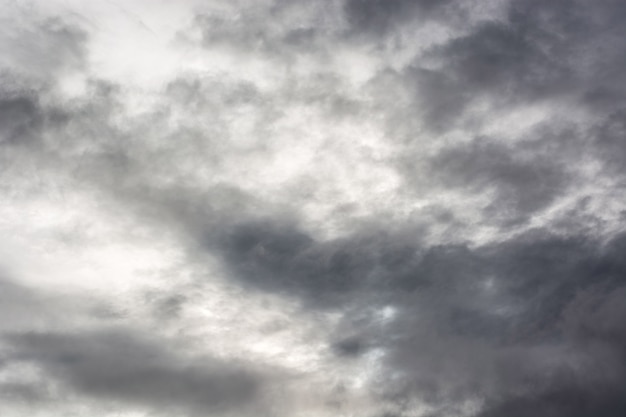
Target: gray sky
point(299, 208)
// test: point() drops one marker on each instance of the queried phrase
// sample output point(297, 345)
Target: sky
point(307, 208)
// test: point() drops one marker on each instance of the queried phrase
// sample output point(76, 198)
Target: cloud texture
point(397, 208)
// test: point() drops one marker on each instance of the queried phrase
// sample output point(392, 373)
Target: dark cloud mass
point(120, 366)
point(380, 17)
point(399, 208)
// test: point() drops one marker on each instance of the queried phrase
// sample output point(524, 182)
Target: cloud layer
point(356, 207)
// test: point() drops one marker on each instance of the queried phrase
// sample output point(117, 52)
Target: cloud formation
point(119, 366)
point(357, 207)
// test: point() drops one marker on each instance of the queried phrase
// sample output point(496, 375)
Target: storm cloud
point(352, 208)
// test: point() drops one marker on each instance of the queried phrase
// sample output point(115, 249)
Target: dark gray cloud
point(277, 256)
point(525, 180)
point(486, 322)
point(572, 401)
point(506, 292)
point(117, 365)
point(20, 119)
point(563, 50)
point(498, 325)
point(561, 55)
point(379, 16)
point(610, 136)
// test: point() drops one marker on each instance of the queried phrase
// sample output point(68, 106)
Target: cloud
point(538, 51)
point(479, 323)
point(276, 256)
point(411, 208)
point(523, 184)
point(41, 49)
point(379, 17)
point(117, 365)
point(502, 326)
point(21, 119)
point(609, 135)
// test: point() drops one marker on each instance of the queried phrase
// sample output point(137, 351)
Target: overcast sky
point(313, 208)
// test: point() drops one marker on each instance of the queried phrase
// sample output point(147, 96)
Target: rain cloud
point(399, 208)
